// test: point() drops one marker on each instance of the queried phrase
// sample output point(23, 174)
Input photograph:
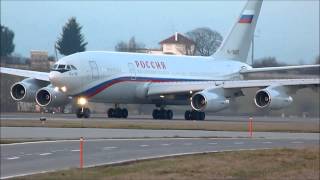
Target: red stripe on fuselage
point(245, 20)
point(119, 81)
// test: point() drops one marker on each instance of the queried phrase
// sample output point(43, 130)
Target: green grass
point(261, 164)
point(171, 125)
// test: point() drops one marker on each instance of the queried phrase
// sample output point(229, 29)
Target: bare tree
point(207, 41)
point(317, 61)
point(131, 46)
point(121, 47)
point(267, 62)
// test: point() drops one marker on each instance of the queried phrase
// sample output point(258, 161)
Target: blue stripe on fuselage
point(104, 85)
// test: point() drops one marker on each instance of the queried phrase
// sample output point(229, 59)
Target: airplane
point(208, 84)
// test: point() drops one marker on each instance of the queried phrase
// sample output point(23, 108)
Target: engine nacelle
point(273, 97)
point(209, 100)
point(26, 90)
point(49, 96)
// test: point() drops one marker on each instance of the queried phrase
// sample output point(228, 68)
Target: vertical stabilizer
point(237, 43)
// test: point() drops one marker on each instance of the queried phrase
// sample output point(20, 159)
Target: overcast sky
point(288, 30)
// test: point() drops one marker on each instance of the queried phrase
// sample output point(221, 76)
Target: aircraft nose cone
point(54, 77)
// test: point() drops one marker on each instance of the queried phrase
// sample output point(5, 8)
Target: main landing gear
point(117, 113)
point(162, 114)
point(194, 115)
point(83, 112)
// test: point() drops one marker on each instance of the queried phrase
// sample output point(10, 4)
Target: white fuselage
point(114, 77)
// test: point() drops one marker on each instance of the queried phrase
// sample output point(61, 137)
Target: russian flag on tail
point(246, 17)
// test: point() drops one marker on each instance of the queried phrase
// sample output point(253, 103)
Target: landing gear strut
point(83, 112)
point(117, 113)
point(162, 114)
point(194, 115)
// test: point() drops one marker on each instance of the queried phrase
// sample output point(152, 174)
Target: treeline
point(70, 41)
point(273, 62)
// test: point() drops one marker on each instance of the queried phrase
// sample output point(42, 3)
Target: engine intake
point(48, 96)
point(209, 100)
point(43, 97)
point(25, 90)
point(273, 97)
point(18, 91)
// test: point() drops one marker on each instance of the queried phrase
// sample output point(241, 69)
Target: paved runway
point(103, 146)
point(59, 116)
point(30, 158)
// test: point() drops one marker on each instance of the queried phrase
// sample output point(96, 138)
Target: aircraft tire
point(124, 113)
point(195, 115)
point(111, 113)
point(187, 115)
point(202, 116)
point(86, 113)
point(155, 114)
point(79, 113)
point(169, 114)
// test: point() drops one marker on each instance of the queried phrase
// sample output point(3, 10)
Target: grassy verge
point(180, 125)
point(260, 164)
point(7, 141)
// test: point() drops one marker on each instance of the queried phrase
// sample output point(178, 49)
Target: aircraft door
point(94, 70)
point(132, 71)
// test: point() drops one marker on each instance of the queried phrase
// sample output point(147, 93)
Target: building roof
point(177, 38)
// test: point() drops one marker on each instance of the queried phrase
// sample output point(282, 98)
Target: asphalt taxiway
point(30, 158)
point(113, 146)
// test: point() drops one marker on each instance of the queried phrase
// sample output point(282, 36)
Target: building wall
point(39, 60)
point(178, 49)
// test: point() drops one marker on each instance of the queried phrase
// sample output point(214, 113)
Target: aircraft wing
point(43, 76)
point(186, 87)
point(282, 68)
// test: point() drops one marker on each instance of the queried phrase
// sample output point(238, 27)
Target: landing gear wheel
point(79, 113)
point(202, 116)
point(86, 113)
point(118, 113)
point(124, 113)
point(155, 114)
point(162, 114)
point(187, 115)
point(110, 113)
point(169, 114)
point(83, 112)
point(194, 115)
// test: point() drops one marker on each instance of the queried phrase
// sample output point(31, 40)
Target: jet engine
point(209, 100)
point(273, 97)
point(50, 96)
point(26, 90)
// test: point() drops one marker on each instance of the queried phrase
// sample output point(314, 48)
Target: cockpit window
point(61, 66)
point(72, 67)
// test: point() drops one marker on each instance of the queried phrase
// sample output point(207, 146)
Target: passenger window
point(68, 67)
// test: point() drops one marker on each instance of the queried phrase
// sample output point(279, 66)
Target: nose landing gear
point(83, 112)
